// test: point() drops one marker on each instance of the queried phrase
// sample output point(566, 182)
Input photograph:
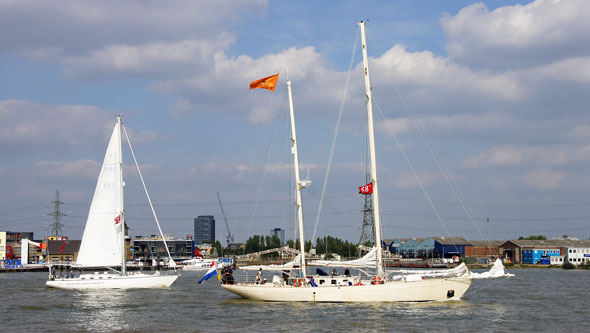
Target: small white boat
point(103, 241)
point(200, 264)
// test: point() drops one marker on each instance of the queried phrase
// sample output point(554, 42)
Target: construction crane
point(230, 236)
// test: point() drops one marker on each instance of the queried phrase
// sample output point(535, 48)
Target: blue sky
point(499, 89)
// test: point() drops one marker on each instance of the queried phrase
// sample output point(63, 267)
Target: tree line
point(324, 245)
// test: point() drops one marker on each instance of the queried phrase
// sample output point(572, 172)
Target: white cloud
point(515, 155)
point(572, 69)
point(87, 169)
point(227, 76)
point(81, 26)
point(544, 179)
point(408, 179)
point(461, 123)
point(580, 131)
point(160, 59)
point(519, 35)
point(28, 128)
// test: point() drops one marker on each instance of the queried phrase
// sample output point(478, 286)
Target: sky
point(481, 114)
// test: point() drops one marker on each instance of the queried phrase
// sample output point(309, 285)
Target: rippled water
point(534, 300)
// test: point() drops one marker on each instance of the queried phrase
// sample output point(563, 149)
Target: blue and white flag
point(211, 272)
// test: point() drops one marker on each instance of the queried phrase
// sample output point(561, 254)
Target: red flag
point(366, 189)
point(198, 253)
point(118, 219)
point(268, 82)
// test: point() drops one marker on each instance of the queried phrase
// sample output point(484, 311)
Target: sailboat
point(103, 241)
point(378, 287)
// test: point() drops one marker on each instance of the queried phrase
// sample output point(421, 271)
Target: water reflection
point(528, 302)
point(101, 310)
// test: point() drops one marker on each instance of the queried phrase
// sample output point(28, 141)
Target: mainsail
point(369, 260)
point(101, 242)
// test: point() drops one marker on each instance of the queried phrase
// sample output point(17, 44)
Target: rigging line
point(262, 175)
point(335, 136)
point(23, 209)
point(148, 196)
point(411, 168)
point(251, 169)
point(473, 290)
point(436, 157)
point(566, 218)
point(397, 196)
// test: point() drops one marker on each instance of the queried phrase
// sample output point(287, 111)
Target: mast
point(122, 203)
point(298, 183)
point(371, 133)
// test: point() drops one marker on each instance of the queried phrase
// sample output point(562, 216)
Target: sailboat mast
point(122, 212)
point(298, 183)
point(371, 133)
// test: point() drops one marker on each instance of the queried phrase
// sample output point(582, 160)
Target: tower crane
point(230, 237)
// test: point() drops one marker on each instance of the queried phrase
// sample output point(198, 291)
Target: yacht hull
point(393, 291)
point(111, 281)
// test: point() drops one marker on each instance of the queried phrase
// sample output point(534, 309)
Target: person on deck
point(334, 272)
point(229, 276)
point(346, 272)
point(259, 276)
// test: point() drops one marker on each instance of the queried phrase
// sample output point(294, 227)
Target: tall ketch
point(380, 286)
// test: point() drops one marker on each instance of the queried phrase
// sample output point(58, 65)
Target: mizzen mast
point(371, 133)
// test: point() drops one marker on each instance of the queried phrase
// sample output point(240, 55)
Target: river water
point(554, 300)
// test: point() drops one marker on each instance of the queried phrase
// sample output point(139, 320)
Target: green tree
point(253, 244)
point(533, 237)
point(217, 248)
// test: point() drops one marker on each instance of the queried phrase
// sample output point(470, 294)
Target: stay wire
point(437, 159)
point(334, 137)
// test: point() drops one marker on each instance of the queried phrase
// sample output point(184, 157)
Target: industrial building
point(204, 229)
point(523, 251)
point(148, 248)
point(279, 233)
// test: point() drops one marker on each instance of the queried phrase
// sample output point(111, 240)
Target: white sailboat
point(201, 264)
point(379, 287)
point(103, 241)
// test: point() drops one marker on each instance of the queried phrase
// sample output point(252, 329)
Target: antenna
point(57, 214)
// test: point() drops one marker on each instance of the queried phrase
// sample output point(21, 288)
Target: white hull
point(203, 264)
point(419, 291)
point(112, 281)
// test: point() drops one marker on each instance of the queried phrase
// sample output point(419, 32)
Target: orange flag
point(269, 82)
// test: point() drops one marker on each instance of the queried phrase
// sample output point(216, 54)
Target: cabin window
point(333, 281)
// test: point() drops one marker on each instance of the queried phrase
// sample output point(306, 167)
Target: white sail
point(101, 242)
point(103, 239)
point(497, 271)
point(295, 263)
point(369, 260)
